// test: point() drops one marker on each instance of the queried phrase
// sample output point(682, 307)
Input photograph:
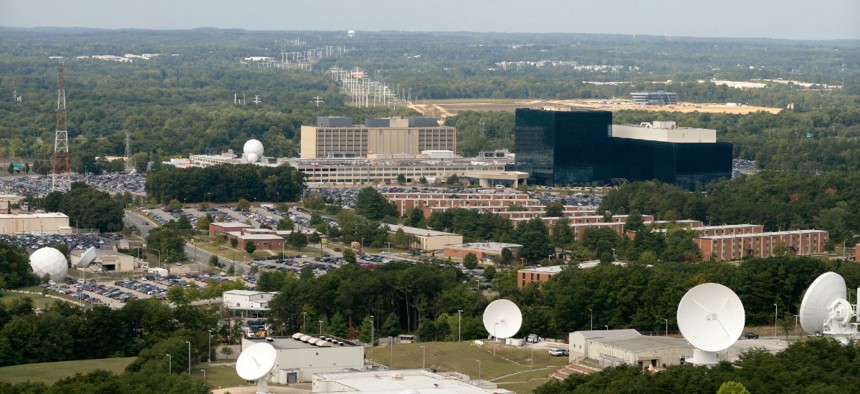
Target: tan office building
point(35, 223)
point(337, 137)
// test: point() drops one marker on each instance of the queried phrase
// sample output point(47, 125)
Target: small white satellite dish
point(502, 319)
point(825, 310)
point(87, 258)
point(256, 363)
point(711, 318)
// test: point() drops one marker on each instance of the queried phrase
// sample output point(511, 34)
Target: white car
point(558, 352)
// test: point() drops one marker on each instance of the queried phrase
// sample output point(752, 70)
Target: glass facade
point(576, 148)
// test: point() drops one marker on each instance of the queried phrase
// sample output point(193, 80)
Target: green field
point(51, 372)
point(510, 368)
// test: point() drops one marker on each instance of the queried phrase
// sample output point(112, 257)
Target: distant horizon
point(191, 29)
point(797, 20)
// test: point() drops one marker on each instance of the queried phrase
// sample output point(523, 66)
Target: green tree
point(174, 205)
point(213, 261)
point(365, 330)
point(243, 205)
point(453, 180)
point(349, 256)
point(372, 205)
point(470, 261)
point(490, 272)
point(401, 179)
point(554, 210)
point(732, 387)
point(297, 240)
point(250, 247)
point(286, 223)
point(337, 325)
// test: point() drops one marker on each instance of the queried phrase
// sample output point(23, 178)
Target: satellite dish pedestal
point(702, 357)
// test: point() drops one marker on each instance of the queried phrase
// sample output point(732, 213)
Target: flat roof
point(261, 237)
point(419, 231)
point(624, 332)
point(554, 269)
point(491, 246)
point(46, 215)
point(642, 343)
point(402, 381)
point(232, 225)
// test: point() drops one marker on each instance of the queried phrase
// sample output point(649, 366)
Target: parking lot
point(38, 185)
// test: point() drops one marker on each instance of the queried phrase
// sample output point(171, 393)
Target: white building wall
point(308, 361)
point(678, 135)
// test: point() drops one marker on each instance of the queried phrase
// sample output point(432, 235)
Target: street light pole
point(775, 317)
point(667, 327)
point(795, 325)
point(423, 357)
point(169, 363)
point(304, 318)
point(320, 327)
point(591, 319)
point(459, 325)
point(372, 320)
point(189, 356)
point(479, 369)
point(204, 375)
point(209, 349)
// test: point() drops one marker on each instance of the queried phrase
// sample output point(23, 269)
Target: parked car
point(751, 335)
point(555, 352)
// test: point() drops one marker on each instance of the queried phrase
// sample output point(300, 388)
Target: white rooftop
point(396, 382)
point(418, 231)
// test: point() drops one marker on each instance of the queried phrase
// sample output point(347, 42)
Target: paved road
point(142, 223)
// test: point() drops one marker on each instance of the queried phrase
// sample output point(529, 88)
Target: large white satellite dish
point(502, 319)
point(256, 363)
point(711, 318)
point(825, 310)
point(87, 258)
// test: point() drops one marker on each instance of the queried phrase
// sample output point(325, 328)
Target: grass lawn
point(51, 372)
point(218, 374)
point(510, 367)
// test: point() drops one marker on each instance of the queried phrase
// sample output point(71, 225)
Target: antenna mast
point(61, 167)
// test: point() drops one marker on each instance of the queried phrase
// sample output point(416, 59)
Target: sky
point(789, 19)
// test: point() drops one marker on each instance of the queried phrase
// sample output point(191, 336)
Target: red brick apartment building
point(539, 275)
point(739, 246)
point(245, 234)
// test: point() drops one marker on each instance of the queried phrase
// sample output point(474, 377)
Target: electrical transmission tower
point(60, 174)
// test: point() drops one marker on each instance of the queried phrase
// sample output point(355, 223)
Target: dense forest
point(182, 101)
point(225, 183)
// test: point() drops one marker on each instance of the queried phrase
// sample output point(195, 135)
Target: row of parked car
point(143, 287)
point(69, 290)
point(110, 292)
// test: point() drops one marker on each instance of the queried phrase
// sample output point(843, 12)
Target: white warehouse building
point(301, 356)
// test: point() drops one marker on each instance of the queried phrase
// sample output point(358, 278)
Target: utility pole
point(60, 165)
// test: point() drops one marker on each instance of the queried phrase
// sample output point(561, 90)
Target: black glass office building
point(577, 148)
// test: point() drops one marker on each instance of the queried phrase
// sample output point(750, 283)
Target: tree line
point(225, 183)
point(86, 207)
point(776, 200)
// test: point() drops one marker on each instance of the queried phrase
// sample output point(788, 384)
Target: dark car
point(751, 335)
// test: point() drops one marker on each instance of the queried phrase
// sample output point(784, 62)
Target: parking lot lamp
point(189, 356)
point(169, 363)
point(209, 349)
